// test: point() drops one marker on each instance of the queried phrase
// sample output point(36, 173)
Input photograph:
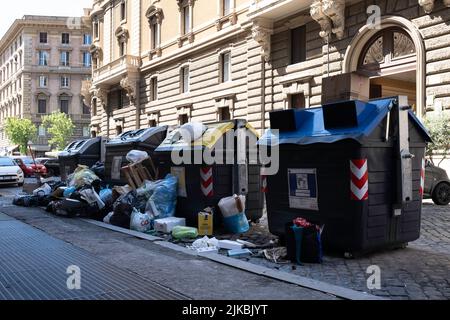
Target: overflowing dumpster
point(232, 169)
point(353, 167)
point(117, 148)
point(81, 152)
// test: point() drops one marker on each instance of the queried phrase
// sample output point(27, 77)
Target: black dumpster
point(203, 184)
point(81, 152)
point(117, 149)
point(353, 167)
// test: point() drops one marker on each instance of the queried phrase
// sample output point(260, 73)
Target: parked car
point(52, 165)
point(437, 184)
point(30, 167)
point(10, 172)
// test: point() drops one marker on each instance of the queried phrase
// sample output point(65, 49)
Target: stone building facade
point(173, 61)
point(43, 63)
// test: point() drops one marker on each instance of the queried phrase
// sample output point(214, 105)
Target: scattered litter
point(239, 253)
point(166, 225)
point(179, 233)
point(277, 255)
point(205, 244)
point(247, 244)
point(229, 245)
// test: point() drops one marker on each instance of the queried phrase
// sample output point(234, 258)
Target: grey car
point(437, 184)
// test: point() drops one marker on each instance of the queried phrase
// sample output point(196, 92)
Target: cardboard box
point(229, 245)
point(205, 223)
point(166, 225)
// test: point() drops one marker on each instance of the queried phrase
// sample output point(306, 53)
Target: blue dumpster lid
point(311, 128)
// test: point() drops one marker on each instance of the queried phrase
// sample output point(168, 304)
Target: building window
point(152, 123)
point(42, 106)
point(120, 99)
point(43, 37)
point(65, 82)
point(186, 18)
point(183, 119)
point(184, 79)
point(42, 131)
point(122, 48)
point(43, 58)
point(119, 130)
point(64, 104)
point(96, 30)
point(298, 45)
point(298, 101)
point(94, 106)
point(65, 38)
point(86, 109)
point(225, 67)
point(86, 132)
point(155, 31)
point(224, 114)
point(43, 81)
point(123, 11)
point(87, 39)
point(154, 89)
point(65, 59)
point(86, 59)
point(227, 6)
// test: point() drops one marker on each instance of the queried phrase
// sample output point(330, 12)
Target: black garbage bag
point(32, 201)
point(99, 170)
point(123, 208)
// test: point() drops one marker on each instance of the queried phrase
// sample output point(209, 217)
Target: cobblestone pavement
point(421, 271)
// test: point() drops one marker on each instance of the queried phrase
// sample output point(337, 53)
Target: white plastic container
point(232, 206)
point(166, 225)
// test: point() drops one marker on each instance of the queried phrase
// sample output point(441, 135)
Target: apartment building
point(43, 62)
point(174, 61)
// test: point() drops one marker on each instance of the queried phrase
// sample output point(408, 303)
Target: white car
point(10, 172)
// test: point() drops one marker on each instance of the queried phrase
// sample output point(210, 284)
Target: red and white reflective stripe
point(359, 185)
point(422, 178)
point(264, 187)
point(207, 184)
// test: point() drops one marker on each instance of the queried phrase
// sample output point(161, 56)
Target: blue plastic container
point(237, 224)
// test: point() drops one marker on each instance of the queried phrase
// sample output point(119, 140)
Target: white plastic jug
point(232, 206)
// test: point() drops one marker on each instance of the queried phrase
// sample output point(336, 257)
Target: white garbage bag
point(45, 190)
point(134, 156)
point(140, 222)
point(192, 131)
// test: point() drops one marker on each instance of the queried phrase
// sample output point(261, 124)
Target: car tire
point(441, 194)
point(20, 184)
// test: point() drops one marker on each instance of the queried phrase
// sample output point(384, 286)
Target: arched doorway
point(393, 56)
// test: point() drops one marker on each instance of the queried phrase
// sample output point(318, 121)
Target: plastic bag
point(140, 222)
point(135, 156)
point(163, 201)
point(45, 190)
point(179, 233)
point(99, 169)
point(68, 192)
point(123, 208)
point(192, 131)
point(82, 177)
point(106, 195)
point(107, 219)
point(90, 196)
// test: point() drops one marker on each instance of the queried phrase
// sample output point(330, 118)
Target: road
point(40, 250)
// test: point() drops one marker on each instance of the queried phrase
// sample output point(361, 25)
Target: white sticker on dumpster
point(303, 192)
point(116, 167)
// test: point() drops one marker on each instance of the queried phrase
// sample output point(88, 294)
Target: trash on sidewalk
point(233, 211)
point(303, 240)
point(180, 233)
point(277, 255)
point(140, 222)
point(239, 252)
point(229, 245)
point(45, 190)
point(166, 225)
point(205, 244)
point(206, 222)
point(90, 196)
point(81, 177)
point(163, 201)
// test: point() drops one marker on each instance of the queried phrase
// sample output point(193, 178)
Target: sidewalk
point(145, 264)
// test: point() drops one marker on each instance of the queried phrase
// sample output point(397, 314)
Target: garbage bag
point(134, 156)
point(82, 177)
point(140, 222)
point(106, 195)
point(45, 190)
point(107, 219)
point(68, 192)
point(192, 131)
point(179, 233)
point(90, 196)
point(123, 208)
point(99, 169)
point(163, 201)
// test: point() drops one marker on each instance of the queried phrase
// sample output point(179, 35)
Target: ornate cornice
point(130, 88)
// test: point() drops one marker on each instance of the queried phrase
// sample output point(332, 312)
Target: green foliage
point(438, 126)
point(60, 127)
point(20, 131)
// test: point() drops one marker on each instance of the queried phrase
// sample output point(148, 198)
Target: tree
point(60, 127)
point(438, 126)
point(20, 131)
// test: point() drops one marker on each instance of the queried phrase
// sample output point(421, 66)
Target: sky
point(16, 9)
